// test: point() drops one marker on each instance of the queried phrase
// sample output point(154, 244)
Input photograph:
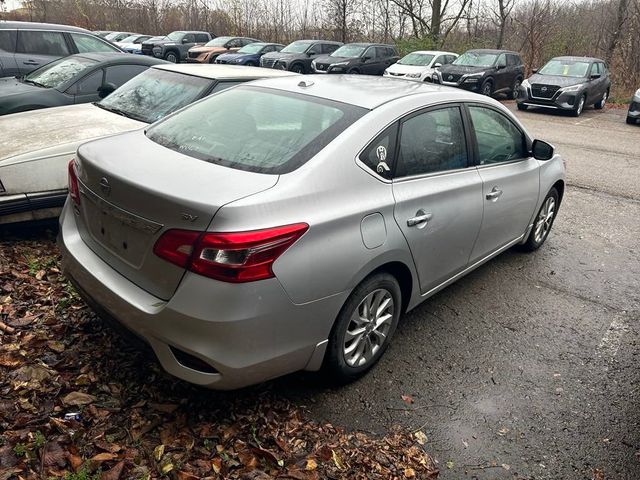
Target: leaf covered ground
point(79, 402)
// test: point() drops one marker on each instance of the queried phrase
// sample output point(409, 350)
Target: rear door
point(438, 193)
point(35, 48)
point(510, 179)
point(8, 65)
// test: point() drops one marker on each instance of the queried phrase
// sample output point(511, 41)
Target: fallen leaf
point(409, 473)
point(54, 455)
point(408, 399)
point(421, 438)
point(78, 398)
point(158, 452)
point(103, 457)
point(311, 464)
point(114, 473)
point(337, 460)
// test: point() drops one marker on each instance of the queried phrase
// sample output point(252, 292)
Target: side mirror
point(534, 70)
point(542, 150)
point(501, 66)
point(366, 58)
point(106, 89)
point(437, 65)
point(185, 40)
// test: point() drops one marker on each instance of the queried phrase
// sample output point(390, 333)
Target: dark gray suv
point(484, 71)
point(297, 56)
point(363, 58)
point(25, 46)
point(174, 47)
point(567, 83)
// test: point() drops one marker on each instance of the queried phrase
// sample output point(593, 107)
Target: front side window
point(595, 69)
point(499, 140)
point(42, 43)
point(432, 141)
point(502, 61)
point(189, 38)
point(315, 50)
point(154, 94)
point(89, 84)
point(255, 129)
point(59, 72)
point(8, 40)
point(121, 74)
point(87, 44)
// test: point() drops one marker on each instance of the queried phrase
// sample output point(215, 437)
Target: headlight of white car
point(313, 64)
point(572, 88)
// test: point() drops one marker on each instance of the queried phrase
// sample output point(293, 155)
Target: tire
point(577, 111)
point(354, 71)
point(342, 365)
point(513, 94)
point(297, 68)
point(171, 57)
point(212, 58)
point(251, 64)
point(541, 225)
point(600, 105)
point(631, 121)
point(487, 88)
point(522, 106)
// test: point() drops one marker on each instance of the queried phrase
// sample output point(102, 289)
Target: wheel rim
point(604, 100)
point(487, 90)
point(580, 105)
point(368, 328)
point(297, 69)
point(171, 58)
point(544, 220)
point(515, 89)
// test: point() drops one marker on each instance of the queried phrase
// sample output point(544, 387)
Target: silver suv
point(288, 223)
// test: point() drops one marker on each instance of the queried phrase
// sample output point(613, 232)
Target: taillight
point(231, 257)
point(74, 189)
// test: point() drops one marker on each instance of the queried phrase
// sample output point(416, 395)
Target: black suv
point(297, 56)
point(25, 46)
point(484, 71)
point(364, 58)
point(567, 83)
point(174, 47)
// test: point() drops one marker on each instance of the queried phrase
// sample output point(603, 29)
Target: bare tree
point(501, 14)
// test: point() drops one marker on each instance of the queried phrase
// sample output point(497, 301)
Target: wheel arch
point(559, 186)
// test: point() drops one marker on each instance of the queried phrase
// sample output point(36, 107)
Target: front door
point(438, 193)
point(510, 180)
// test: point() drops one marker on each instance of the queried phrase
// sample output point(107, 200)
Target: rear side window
point(88, 44)
point(120, 74)
point(8, 40)
point(432, 141)
point(255, 129)
point(379, 154)
point(202, 38)
point(499, 140)
point(329, 47)
point(42, 43)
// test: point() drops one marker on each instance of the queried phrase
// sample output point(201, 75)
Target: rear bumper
point(25, 207)
point(248, 333)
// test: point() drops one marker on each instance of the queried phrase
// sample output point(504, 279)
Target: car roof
point(307, 40)
point(119, 57)
point(433, 52)
point(492, 50)
point(223, 72)
point(190, 31)
point(367, 44)
point(360, 90)
point(578, 59)
point(10, 25)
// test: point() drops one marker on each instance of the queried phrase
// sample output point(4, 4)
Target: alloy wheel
point(580, 106)
point(544, 220)
point(486, 90)
point(604, 100)
point(368, 328)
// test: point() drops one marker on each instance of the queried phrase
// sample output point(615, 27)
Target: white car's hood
point(404, 69)
point(58, 130)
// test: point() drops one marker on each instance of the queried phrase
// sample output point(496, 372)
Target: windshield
point(130, 39)
point(349, 51)
point(117, 36)
point(175, 36)
point(417, 59)
point(217, 42)
point(252, 48)
point(59, 72)
point(154, 94)
point(476, 59)
point(255, 129)
point(296, 47)
point(565, 68)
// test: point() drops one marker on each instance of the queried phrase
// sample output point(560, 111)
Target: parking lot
point(528, 367)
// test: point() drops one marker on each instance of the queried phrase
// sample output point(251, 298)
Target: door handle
point(419, 219)
point(494, 194)
point(31, 62)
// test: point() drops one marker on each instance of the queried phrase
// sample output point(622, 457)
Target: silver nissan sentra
point(287, 224)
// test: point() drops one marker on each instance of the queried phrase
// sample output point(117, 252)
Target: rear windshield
point(59, 72)
point(154, 94)
point(255, 129)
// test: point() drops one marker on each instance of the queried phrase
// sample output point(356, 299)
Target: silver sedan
point(287, 224)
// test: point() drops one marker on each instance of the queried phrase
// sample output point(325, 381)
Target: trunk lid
point(133, 190)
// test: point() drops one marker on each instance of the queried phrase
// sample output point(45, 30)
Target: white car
point(419, 66)
point(39, 144)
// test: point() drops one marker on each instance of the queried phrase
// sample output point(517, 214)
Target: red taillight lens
point(74, 189)
point(231, 257)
